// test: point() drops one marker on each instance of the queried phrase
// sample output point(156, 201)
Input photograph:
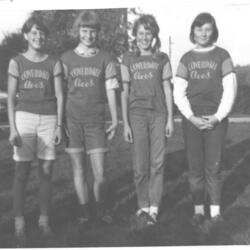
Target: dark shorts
point(89, 137)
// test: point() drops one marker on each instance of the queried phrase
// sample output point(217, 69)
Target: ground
point(173, 229)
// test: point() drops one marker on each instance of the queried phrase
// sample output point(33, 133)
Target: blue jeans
point(148, 128)
point(204, 152)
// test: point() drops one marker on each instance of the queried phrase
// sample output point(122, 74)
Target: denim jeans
point(148, 128)
point(204, 150)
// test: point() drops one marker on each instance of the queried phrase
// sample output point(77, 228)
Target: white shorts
point(37, 136)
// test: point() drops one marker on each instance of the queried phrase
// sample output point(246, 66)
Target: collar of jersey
point(204, 49)
point(81, 52)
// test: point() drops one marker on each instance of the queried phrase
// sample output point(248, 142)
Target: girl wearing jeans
point(204, 91)
point(147, 113)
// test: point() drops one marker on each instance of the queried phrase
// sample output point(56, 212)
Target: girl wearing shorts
point(204, 91)
point(91, 76)
point(147, 113)
point(35, 104)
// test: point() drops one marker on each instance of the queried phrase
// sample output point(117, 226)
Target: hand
point(200, 122)
point(211, 119)
point(111, 130)
point(127, 134)
point(169, 129)
point(15, 139)
point(58, 135)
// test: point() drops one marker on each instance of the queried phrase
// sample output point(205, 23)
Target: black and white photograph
point(124, 124)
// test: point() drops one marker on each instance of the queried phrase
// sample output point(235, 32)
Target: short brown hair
point(34, 20)
point(199, 21)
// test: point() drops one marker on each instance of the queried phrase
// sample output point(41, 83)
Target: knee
point(196, 173)
point(99, 177)
point(77, 169)
point(213, 169)
point(157, 165)
point(141, 175)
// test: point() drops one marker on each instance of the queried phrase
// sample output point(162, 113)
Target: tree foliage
point(113, 35)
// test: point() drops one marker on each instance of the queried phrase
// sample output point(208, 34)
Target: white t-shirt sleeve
point(13, 68)
point(57, 69)
point(111, 83)
point(65, 71)
point(229, 84)
point(180, 97)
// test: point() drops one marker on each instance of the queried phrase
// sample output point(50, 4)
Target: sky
point(173, 16)
point(232, 21)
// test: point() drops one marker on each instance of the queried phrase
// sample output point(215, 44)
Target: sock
point(43, 220)
point(153, 210)
point(143, 209)
point(19, 223)
point(214, 210)
point(199, 209)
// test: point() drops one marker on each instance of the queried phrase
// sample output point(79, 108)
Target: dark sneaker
point(141, 220)
point(216, 220)
point(104, 217)
point(83, 220)
point(152, 219)
point(197, 220)
point(45, 230)
point(47, 236)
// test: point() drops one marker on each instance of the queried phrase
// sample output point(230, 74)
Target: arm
point(180, 97)
point(112, 106)
point(229, 84)
point(14, 137)
point(169, 105)
point(60, 102)
point(127, 133)
point(183, 104)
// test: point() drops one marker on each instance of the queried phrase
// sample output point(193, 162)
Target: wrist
point(218, 118)
point(190, 118)
point(170, 119)
point(13, 129)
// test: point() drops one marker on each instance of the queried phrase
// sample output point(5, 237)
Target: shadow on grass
point(173, 229)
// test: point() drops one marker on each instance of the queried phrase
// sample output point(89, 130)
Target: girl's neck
point(198, 46)
point(34, 55)
point(207, 48)
point(82, 49)
point(145, 52)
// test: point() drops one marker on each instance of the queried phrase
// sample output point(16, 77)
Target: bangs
point(89, 24)
point(34, 21)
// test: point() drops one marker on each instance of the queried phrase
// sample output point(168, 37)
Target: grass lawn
point(173, 229)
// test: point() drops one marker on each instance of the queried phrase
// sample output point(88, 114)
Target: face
point(144, 38)
point(36, 38)
point(203, 34)
point(88, 36)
